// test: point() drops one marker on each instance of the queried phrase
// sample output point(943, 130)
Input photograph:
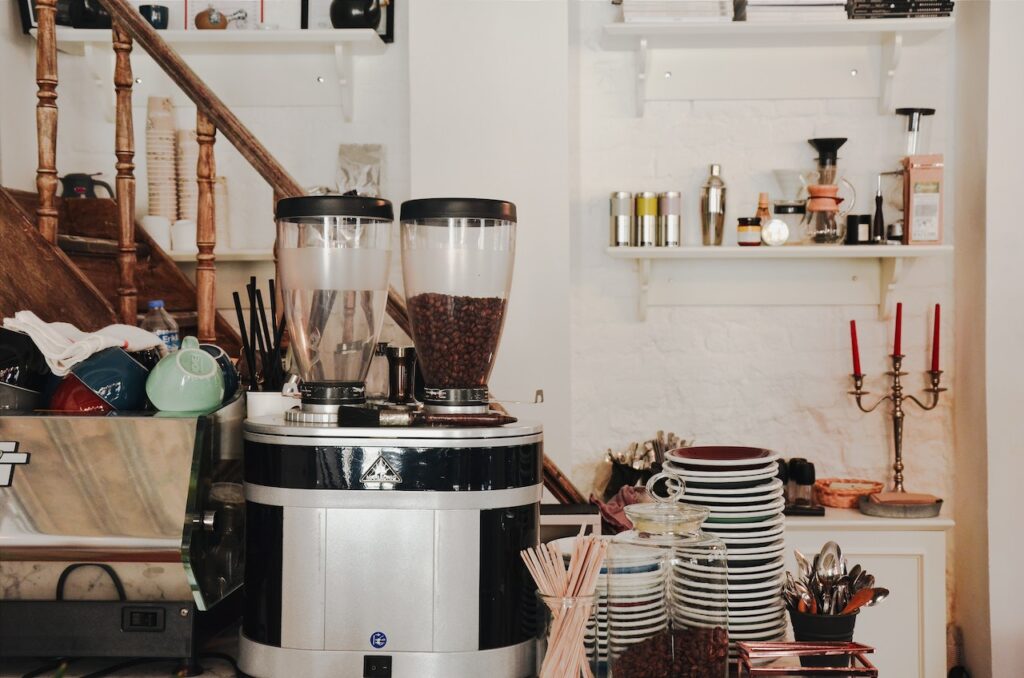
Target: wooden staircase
point(88, 238)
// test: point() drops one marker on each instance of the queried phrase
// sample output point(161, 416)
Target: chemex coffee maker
point(383, 539)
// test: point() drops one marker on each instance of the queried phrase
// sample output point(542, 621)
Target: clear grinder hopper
point(334, 254)
point(457, 258)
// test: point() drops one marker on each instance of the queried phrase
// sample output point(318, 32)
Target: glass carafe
point(457, 256)
point(823, 224)
point(334, 255)
point(667, 592)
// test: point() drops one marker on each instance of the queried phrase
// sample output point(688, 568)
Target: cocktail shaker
point(712, 207)
point(621, 218)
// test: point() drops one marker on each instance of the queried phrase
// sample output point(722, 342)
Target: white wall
point(771, 375)
point(970, 480)
point(489, 82)
point(1004, 321)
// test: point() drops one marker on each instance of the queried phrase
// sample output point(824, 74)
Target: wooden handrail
point(46, 118)
point(206, 228)
point(124, 149)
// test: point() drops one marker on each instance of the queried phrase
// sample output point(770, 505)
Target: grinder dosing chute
point(457, 257)
point(334, 255)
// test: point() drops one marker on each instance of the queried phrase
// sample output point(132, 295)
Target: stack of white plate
point(187, 159)
point(631, 597)
point(160, 159)
point(741, 488)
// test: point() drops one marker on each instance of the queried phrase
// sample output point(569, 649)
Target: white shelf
point(741, 30)
point(799, 274)
point(236, 255)
point(770, 60)
point(361, 40)
point(340, 46)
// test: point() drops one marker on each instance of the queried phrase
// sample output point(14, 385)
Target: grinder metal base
point(264, 661)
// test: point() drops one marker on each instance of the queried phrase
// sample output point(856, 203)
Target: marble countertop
point(213, 667)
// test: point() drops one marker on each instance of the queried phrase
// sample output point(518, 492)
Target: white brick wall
point(775, 376)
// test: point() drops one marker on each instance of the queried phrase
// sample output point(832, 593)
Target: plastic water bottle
point(159, 322)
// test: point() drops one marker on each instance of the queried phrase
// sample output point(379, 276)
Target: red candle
point(856, 349)
point(899, 329)
point(935, 340)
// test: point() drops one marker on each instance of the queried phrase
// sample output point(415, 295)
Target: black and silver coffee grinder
point(383, 550)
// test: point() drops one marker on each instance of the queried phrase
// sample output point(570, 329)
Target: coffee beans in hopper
point(688, 653)
point(456, 337)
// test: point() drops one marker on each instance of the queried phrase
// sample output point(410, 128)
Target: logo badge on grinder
point(381, 474)
point(9, 458)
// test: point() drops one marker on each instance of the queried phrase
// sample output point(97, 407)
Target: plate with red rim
point(721, 456)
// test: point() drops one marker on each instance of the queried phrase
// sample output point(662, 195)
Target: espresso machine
point(120, 535)
point(383, 539)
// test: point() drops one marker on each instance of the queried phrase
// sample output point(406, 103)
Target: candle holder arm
point(858, 393)
point(934, 391)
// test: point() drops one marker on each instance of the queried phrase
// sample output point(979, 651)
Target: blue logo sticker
point(378, 639)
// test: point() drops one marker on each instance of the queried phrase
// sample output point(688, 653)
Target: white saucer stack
point(741, 488)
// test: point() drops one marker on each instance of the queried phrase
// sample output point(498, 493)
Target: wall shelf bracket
point(643, 268)
point(343, 62)
point(643, 62)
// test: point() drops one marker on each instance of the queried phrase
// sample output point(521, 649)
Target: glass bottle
point(667, 592)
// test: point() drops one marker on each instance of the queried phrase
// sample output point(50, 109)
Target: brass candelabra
point(896, 396)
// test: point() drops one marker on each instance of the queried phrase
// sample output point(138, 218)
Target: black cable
point(46, 668)
point(110, 670)
point(62, 580)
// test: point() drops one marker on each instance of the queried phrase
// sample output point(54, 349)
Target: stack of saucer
point(187, 161)
point(741, 488)
point(631, 597)
point(160, 159)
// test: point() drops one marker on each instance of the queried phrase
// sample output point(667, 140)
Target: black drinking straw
point(246, 346)
point(273, 306)
point(268, 367)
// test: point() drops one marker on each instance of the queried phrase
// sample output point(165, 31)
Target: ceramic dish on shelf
point(772, 484)
point(739, 577)
point(718, 518)
point(777, 504)
point(720, 455)
point(733, 528)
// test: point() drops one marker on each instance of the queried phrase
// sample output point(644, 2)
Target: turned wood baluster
point(206, 230)
point(124, 149)
point(46, 117)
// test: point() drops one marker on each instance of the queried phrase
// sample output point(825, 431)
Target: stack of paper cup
point(161, 173)
point(187, 158)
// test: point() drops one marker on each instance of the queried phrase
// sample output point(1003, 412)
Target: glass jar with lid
point(666, 600)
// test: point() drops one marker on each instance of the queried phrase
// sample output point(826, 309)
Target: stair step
point(97, 247)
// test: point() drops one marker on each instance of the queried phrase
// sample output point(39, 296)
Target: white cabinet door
point(907, 630)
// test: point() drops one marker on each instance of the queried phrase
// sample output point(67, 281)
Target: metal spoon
point(802, 563)
point(865, 598)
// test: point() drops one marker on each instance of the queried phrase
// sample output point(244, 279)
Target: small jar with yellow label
point(748, 232)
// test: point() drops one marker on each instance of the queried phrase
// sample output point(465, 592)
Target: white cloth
point(64, 345)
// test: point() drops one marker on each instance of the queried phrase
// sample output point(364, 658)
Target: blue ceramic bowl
point(21, 363)
point(115, 377)
point(227, 368)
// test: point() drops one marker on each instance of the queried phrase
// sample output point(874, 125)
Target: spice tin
point(670, 210)
point(645, 229)
point(621, 219)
